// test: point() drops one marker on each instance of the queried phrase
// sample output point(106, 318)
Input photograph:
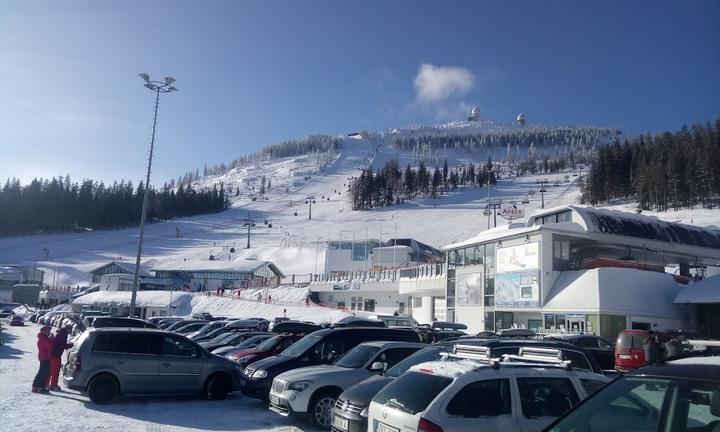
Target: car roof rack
point(540, 356)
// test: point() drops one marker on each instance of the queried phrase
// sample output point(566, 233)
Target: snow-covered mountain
point(295, 243)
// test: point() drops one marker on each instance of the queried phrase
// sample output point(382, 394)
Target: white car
point(467, 391)
point(313, 390)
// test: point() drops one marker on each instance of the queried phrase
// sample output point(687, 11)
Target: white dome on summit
point(474, 114)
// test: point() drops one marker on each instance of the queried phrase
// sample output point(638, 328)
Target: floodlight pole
point(157, 87)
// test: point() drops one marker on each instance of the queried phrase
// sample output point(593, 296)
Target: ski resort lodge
point(570, 268)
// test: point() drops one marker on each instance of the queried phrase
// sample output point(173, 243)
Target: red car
point(17, 320)
point(270, 347)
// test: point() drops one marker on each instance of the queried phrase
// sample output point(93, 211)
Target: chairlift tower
point(310, 200)
point(249, 223)
point(543, 184)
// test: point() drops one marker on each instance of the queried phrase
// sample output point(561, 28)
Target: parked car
point(312, 391)
point(601, 349)
point(273, 345)
point(679, 394)
point(111, 361)
point(320, 347)
point(229, 339)
point(354, 402)
point(36, 316)
point(207, 328)
point(17, 320)
point(181, 323)
point(190, 328)
point(277, 320)
point(166, 322)
point(249, 343)
point(471, 392)
point(397, 321)
point(440, 330)
point(101, 322)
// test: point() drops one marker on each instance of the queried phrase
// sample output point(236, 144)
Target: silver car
point(107, 362)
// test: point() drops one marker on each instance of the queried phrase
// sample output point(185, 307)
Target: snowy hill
point(293, 242)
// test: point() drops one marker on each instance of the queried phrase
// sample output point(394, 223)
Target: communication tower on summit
point(521, 119)
point(474, 114)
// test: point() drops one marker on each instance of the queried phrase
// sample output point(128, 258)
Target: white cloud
point(438, 83)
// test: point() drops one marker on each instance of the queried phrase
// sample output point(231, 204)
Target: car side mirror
point(377, 367)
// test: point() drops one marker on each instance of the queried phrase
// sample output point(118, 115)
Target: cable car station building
point(577, 268)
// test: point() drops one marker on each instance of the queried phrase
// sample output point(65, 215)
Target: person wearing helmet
point(44, 345)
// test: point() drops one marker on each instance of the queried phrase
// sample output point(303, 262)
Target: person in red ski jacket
point(44, 345)
point(59, 345)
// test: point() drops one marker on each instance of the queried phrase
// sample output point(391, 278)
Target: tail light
point(426, 425)
point(77, 363)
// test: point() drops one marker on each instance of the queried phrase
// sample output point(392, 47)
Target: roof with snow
point(239, 265)
point(614, 290)
point(127, 267)
point(704, 291)
point(144, 298)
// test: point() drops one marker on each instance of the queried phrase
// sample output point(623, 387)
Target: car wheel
point(217, 387)
point(320, 409)
point(103, 389)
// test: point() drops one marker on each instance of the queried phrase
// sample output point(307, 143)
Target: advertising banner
point(517, 258)
point(517, 290)
point(469, 288)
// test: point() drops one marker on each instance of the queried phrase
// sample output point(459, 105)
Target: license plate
point(382, 427)
point(625, 356)
point(340, 423)
point(274, 400)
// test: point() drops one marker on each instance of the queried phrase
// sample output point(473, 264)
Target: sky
point(253, 73)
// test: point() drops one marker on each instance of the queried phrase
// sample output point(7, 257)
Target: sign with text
point(517, 290)
point(511, 211)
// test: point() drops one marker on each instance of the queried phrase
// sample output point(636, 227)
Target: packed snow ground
point(23, 411)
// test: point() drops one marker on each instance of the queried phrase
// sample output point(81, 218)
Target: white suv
point(468, 391)
point(313, 390)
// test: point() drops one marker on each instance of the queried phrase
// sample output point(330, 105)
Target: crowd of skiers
point(50, 350)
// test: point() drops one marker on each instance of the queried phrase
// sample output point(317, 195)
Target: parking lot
point(21, 410)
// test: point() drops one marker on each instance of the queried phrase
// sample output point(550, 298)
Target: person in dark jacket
point(44, 345)
point(59, 345)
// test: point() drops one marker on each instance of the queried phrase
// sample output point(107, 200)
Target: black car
point(678, 394)
point(602, 350)
point(229, 339)
point(320, 347)
point(353, 403)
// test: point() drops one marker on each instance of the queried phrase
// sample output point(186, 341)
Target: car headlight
point(364, 412)
point(260, 373)
point(298, 386)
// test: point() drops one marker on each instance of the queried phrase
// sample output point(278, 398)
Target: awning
point(704, 291)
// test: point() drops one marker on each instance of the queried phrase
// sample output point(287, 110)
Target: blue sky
point(256, 73)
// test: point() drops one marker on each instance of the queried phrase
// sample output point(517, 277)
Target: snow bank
point(223, 306)
point(180, 300)
point(281, 295)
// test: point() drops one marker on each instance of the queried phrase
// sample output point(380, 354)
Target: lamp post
point(158, 87)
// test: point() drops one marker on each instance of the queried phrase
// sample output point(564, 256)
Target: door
point(135, 359)
point(180, 365)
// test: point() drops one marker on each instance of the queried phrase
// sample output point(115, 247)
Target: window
point(488, 398)
point(328, 350)
point(412, 392)
point(136, 343)
point(417, 302)
point(546, 397)
point(591, 386)
point(174, 346)
point(392, 356)
point(357, 357)
point(577, 359)
point(370, 305)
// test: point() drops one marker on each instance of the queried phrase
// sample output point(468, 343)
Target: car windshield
point(644, 404)
point(270, 344)
point(422, 356)
point(251, 341)
point(297, 349)
point(222, 337)
point(357, 357)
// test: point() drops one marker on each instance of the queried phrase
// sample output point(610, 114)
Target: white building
point(575, 268)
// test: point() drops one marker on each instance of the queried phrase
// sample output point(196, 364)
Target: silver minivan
point(107, 362)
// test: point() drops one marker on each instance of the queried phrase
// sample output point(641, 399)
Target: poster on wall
point(517, 258)
point(469, 288)
point(517, 290)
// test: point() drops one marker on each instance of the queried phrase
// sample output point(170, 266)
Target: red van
point(629, 352)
